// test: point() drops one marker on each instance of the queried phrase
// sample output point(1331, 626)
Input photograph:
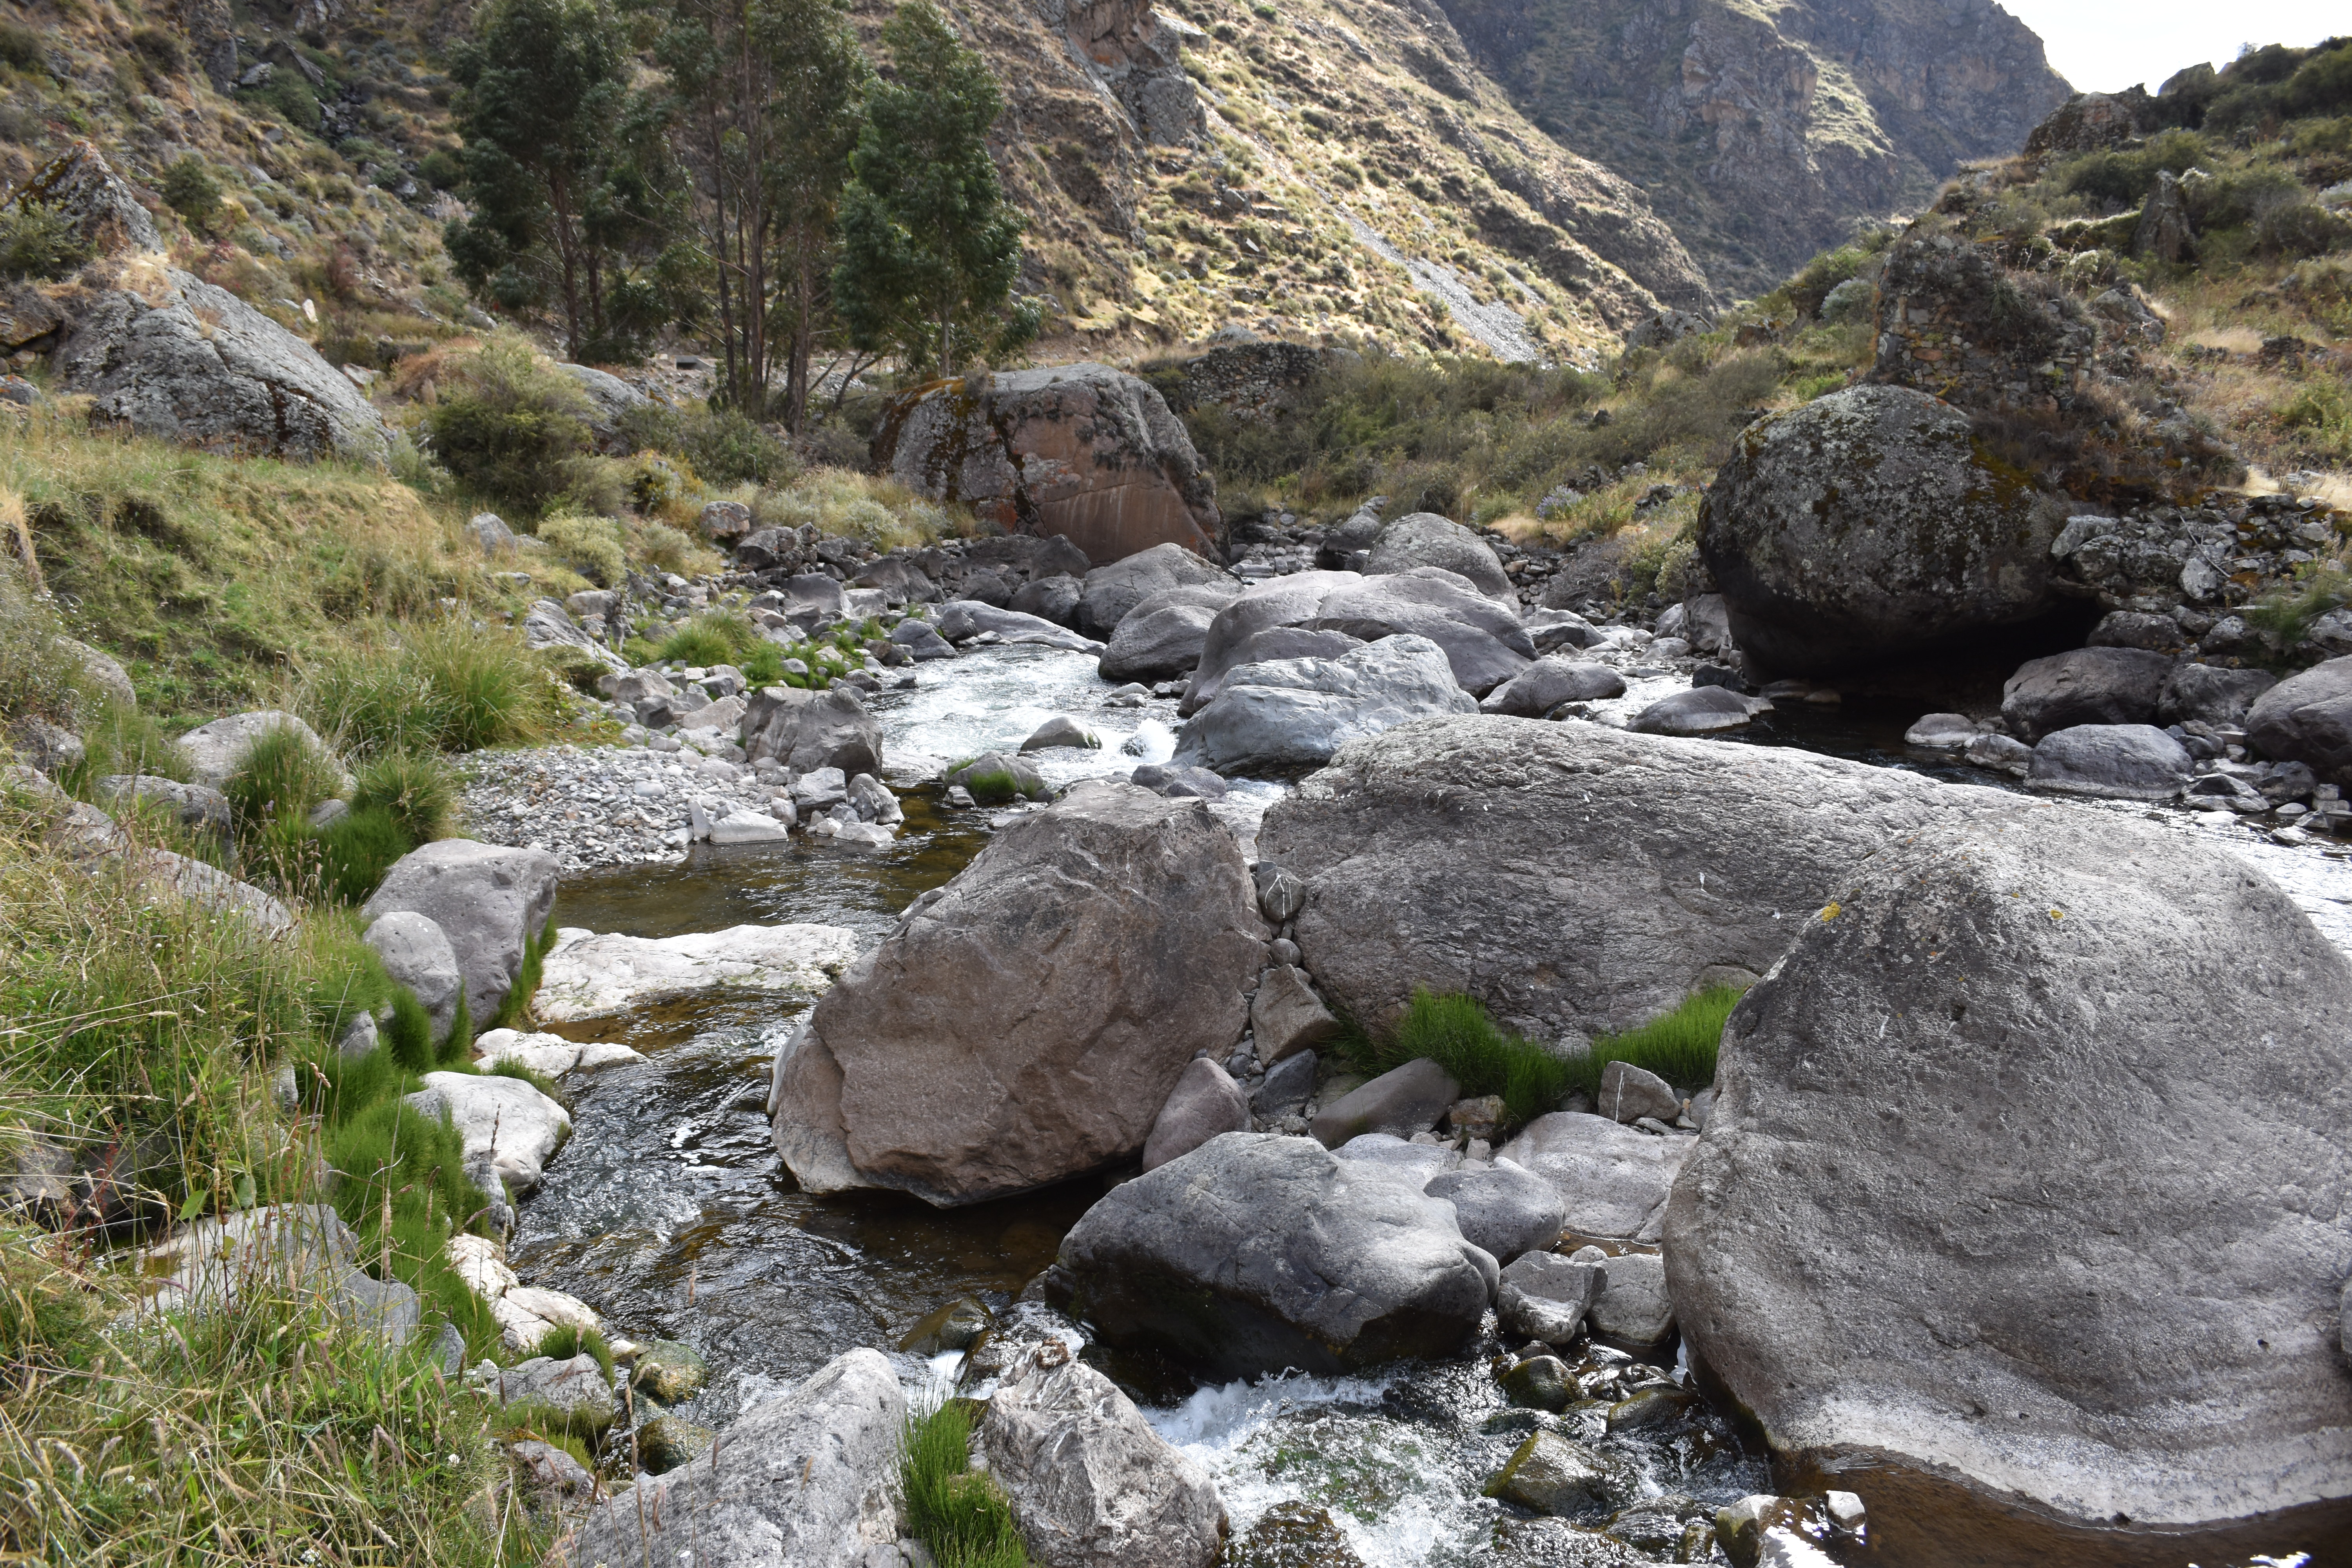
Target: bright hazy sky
point(2103, 44)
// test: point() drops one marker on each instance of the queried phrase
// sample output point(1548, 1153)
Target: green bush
point(281, 776)
point(445, 686)
point(510, 424)
point(590, 546)
point(1679, 1046)
point(356, 850)
point(36, 241)
point(20, 46)
point(714, 636)
point(190, 190)
point(723, 445)
point(960, 1515)
point(415, 791)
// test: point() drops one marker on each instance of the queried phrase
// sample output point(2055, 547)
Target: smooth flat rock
point(1550, 681)
point(586, 975)
point(1502, 1208)
point(509, 1129)
point(1401, 1101)
point(2126, 762)
point(1290, 713)
point(551, 1056)
point(1613, 1181)
point(2086, 686)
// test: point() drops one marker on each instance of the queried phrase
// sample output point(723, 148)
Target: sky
point(2101, 46)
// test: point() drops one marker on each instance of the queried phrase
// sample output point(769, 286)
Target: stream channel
point(669, 1212)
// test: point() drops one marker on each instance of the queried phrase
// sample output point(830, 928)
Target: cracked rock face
point(170, 355)
point(1082, 451)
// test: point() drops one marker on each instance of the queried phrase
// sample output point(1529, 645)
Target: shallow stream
point(669, 1212)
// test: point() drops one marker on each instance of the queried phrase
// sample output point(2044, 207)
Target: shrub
point(2300, 229)
point(21, 47)
point(960, 1515)
point(280, 778)
point(883, 513)
point(190, 190)
point(510, 424)
point(36, 241)
point(590, 546)
point(723, 445)
point(1679, 1046)
point(445, 687)
point(714, 636)
point(39, 678)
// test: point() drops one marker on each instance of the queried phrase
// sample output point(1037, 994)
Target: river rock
point(207, 1268)
point(215, 751)
point(1570, 876)
point(2307, 717)
point(1258, 1252)
point(1633, 1309)
point(2086, 686)
point(1501, 1208)
point(1548, 682)
point(1701, 710)
point(1612, 1180)
point(1114, 591)
point(550, 1055)
point(2060, 1273)
point(1163, 635)
point(178, 359)
point(1296, 712)
point(1053, 598)
point(1403, 1101)
point(1091, 1484)
point(1867, 524)
point(1029, 1024)
point(1942, 731)
point(809, 1478)
point(1424, 1162)
point(510, 1130)
point(1544, 1296)
point(1295, 1535)
point(1205, 1102)
point(2130, 762)
point(1178, 784)
point(993, 777)
point(1286, 1016)
point(1555, 1475)
point(1287, 1086)
point(1484, 642)
point(1080, 450)
point(2210, 693)
point(960, 619)
point(810, 730)
point(585, 976)
point(416, 954)
point(572, 1394)
point(921, 640)
point(1062, 732)
point(1425, 539)
point(1629, 1094)
point(489, 900)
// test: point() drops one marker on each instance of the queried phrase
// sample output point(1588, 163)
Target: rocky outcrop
point(1866, 525)
point(1028, 1024)
point(1425, 539)
point(491, 902)
point(810, 730)
point(170, 355)
point(807, 1478)
point(1571, 877)
point(1256, 1252)
point(1083, 451)
point(1091, 1484)
point(2093, 122)
point(81, 187)
point(1299, 712)
point(2307, 717)
point(2059, 1281)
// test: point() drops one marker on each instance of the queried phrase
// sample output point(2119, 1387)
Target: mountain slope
point(1761, 129)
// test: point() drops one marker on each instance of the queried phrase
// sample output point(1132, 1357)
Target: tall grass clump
point(441, 687)
point(1679, 1045)
point(1453, 1031)
point(839, 501)
point(960, 1515)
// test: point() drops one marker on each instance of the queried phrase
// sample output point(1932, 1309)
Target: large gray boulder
point(609, 399)
point(1425, 539)
point(416, 954)
point(185, 361)
point(81, 187)
point(1080, 450)
point(1297, 712)
point(509, 1129)
point(1091, 1484)
point(1503, 1209)
point(1161, 636)
point(960, 618)
point(2213, 693)
point(1205, 1103)
point(1550, 681)
point(2126, 762)
point(2127, 1312)
point(1114, 590)
point(1571, 875)
point(810, 730)
point(808, 1478)
point(1867, 524)
point(1029, 1022)
point(2084, 686)
point(1484, 642)
point(2307, 717)
point(489, 900)
point(1256, 1252)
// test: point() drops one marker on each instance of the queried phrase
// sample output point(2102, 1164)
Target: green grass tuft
point(443, 688)
point(281, 777)
point(568, 1340)
point(1679, 1046)
point(960, 1515)
point(1453, 1031)
point(357, 849)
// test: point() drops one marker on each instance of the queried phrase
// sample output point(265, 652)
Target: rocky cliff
point(1762, 132)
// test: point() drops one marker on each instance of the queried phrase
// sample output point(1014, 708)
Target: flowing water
point(670, 1214)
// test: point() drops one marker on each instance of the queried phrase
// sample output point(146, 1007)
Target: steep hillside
point(1761, 130)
